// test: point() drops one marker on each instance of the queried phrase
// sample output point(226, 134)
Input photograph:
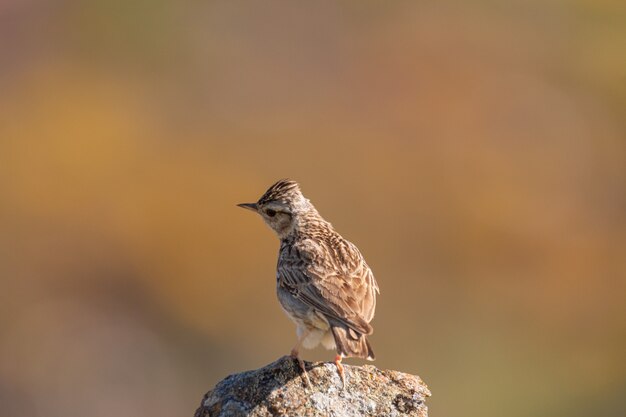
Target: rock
point(278, 389)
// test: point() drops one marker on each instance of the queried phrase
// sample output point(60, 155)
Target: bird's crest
point(283, 190)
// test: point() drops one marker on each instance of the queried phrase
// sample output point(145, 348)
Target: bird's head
point(281, 206)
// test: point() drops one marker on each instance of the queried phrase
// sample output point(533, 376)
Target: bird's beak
point(249, 206)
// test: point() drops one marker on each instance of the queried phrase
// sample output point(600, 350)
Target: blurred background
point(474, 151)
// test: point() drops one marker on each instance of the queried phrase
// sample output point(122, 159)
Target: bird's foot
point(307, 381)
point(341, 372)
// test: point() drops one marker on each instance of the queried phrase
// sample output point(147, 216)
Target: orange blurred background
point(474, 151)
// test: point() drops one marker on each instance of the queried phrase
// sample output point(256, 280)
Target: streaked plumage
point(323, 283)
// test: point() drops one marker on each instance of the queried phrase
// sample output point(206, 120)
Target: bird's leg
point(340, 370)
point(294, 354)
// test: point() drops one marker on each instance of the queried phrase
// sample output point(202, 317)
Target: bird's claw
point(307, 381)
point(341, 372)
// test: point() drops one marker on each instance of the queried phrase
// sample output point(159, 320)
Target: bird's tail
point(351, 343)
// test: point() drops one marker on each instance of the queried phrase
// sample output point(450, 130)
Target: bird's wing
point(335, 281)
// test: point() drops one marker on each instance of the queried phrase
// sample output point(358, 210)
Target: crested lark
point(322, 280)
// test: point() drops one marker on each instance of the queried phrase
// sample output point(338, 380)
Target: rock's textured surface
point(278, 389)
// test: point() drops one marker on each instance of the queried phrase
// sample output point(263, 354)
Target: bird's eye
point(270, 212)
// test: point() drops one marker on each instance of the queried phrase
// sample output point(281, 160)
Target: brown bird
point(322, 280)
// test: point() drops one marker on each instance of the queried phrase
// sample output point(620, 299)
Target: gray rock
point(278, 389)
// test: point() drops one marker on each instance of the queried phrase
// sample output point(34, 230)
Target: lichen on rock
point(278, 389)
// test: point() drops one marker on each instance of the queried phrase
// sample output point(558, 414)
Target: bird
point(323, 283)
